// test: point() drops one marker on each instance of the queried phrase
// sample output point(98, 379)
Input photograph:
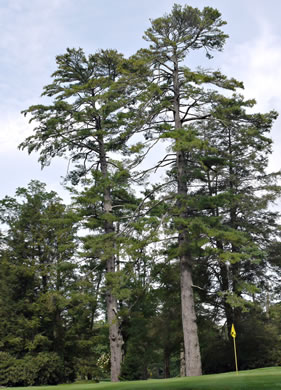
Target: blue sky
point(33, 32)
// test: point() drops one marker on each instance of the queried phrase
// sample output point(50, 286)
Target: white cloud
point(257, 63)
point(13, 130)
point(29, 31)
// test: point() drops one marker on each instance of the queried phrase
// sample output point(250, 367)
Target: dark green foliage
point(87, 110)
point(141, 340)
point(47, 308)
point(38, 269)
point(216, 348)
point(259, 341)
point(31, 370)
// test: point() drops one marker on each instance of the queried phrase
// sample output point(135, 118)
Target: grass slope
point(260, 379)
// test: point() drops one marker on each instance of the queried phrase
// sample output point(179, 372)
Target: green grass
point(263, 378)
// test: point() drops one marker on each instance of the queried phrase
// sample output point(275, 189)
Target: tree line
point(142, 276)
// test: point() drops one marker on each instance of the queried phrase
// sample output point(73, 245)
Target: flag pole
point(233, 334)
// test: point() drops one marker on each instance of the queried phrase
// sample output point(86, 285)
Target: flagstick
point(233, 334)
point(235, 354)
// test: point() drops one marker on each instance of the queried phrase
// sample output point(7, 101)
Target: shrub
point(45, 368)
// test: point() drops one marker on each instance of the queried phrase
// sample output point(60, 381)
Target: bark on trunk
point(167, 363)
point(115, 335)
point(190, 332)
point(182, 363)
point(115, 338)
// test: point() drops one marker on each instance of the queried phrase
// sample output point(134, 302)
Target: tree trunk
point(167, 363)
point(115, 335)
point(182, 364)
point(190, 332)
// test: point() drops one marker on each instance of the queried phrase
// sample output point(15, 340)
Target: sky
point(33, 32)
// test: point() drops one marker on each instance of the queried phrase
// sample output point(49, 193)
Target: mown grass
point(260, 379)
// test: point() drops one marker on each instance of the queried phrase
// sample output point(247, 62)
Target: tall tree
point(87, 124)
point(172, 100)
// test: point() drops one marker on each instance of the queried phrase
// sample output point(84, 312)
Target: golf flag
point(233, 332)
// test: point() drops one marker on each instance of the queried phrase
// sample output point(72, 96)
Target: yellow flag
point(233, 332)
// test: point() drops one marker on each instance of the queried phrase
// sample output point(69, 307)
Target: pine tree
point(240, 191)
point(88, 123)
point(173, 98)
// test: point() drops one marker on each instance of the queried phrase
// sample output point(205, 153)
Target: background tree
point(37, 273)
point(241, 191)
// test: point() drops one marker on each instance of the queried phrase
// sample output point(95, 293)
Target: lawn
point(263, 378)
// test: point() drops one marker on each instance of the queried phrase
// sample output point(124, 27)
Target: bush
point(45, 368)
point(11, 370)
